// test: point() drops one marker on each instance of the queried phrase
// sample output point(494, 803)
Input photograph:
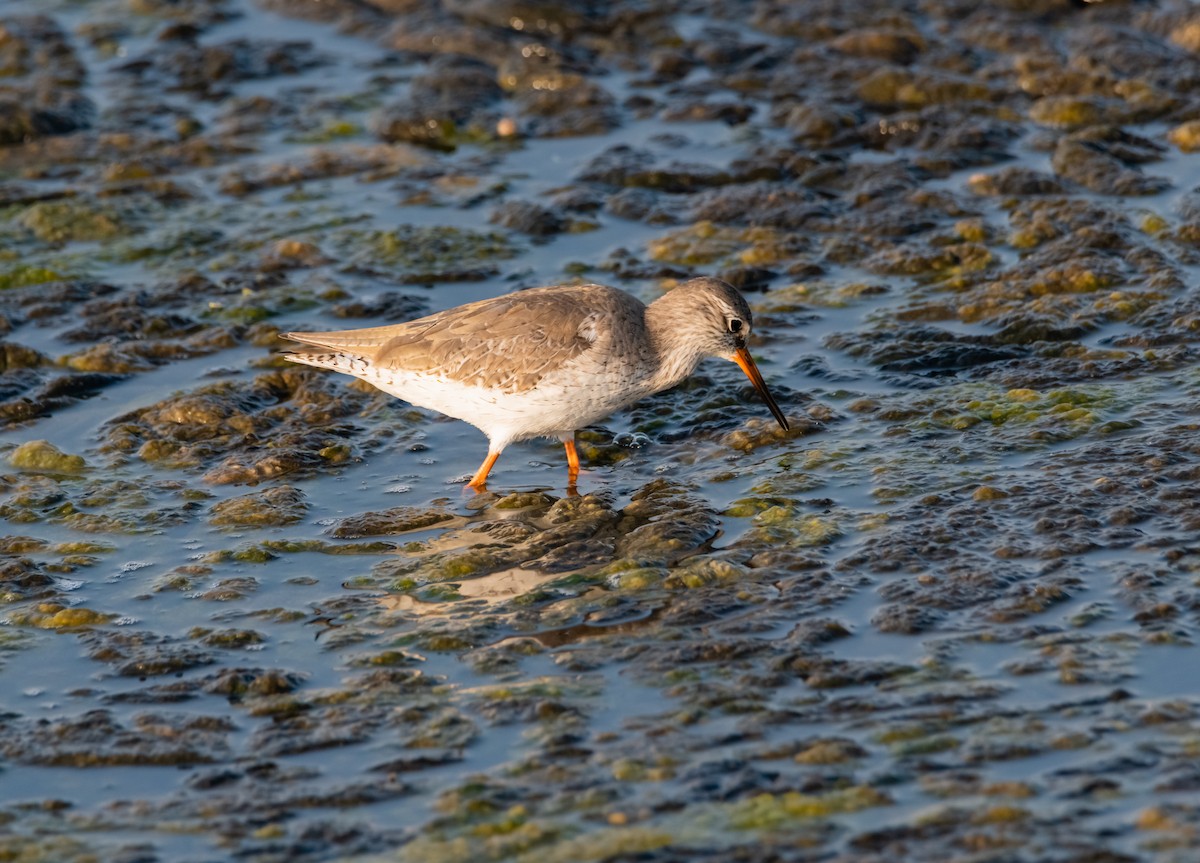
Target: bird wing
point(506, 343)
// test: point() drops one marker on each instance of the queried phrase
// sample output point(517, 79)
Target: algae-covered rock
point(1073, 111)
point(15, 356)
point(41, 455)
point(43, 79)
point(1186, 136)
point(206, 70)
point(278, 506)
point(51, 615)
point(706, 243)
point(890, 87)
point(529, 217)
point(1095, 168)
point(96, 738)
point(389, 522)
point(420, 253)
point(663, 522)
point(1013, 180)
point(74, 220)
point(447, 104)
point(774, 810)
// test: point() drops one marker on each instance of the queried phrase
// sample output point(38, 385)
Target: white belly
point(547, 410)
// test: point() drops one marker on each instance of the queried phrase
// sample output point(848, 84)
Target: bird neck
point(673, 345)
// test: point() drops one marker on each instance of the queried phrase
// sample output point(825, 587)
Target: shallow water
point(950, 616)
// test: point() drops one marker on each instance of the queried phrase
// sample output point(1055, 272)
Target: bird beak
point(742, 357)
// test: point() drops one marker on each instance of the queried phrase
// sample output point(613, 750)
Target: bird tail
point(339, 362)
point(335, 351)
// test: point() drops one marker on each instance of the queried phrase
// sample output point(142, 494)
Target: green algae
point(437, 593)
point(703, 571)
point(242, 313)
point(820, 293)
point(1068, 111)
point(524, 500)
point(892, 87)
point(1074, 408)
point(243, 554)
point(21, 544)
point(170, 246)
point(1001, 814)
point(1060, 413)
point(329, 131)
point(788, 525)
point(74, 220)
point(955, 266)
point(748, 507)
point(441, 642)
point(48, 849)
point(831, 751)
point(230, 639)
point(51, 615)
point(1073, 280)
point(638, 578)
point(706, 243)
point(638, 770)
point(455, 565)
point(390, 658)
point(600, 845)
point(766, 812)
point(923, 746)
point(479, 827)
point(512, 836)
point(336, 453)
point(418, 252)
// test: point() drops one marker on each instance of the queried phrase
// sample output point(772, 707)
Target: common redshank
point(546, 361)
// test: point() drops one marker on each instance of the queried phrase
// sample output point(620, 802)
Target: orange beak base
point(746, 363)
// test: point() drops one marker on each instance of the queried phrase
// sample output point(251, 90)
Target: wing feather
point(507, 343)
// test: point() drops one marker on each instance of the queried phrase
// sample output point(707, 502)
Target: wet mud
point(247, 611)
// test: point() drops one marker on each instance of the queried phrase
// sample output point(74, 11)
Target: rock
point(273, 507)
point(43, 456)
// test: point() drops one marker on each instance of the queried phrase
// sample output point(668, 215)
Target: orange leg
point(479, 481)
point(572, 462)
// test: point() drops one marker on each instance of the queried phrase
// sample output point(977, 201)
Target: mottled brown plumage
point(529, 334)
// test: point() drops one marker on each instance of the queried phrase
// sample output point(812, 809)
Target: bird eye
point(735, 325)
